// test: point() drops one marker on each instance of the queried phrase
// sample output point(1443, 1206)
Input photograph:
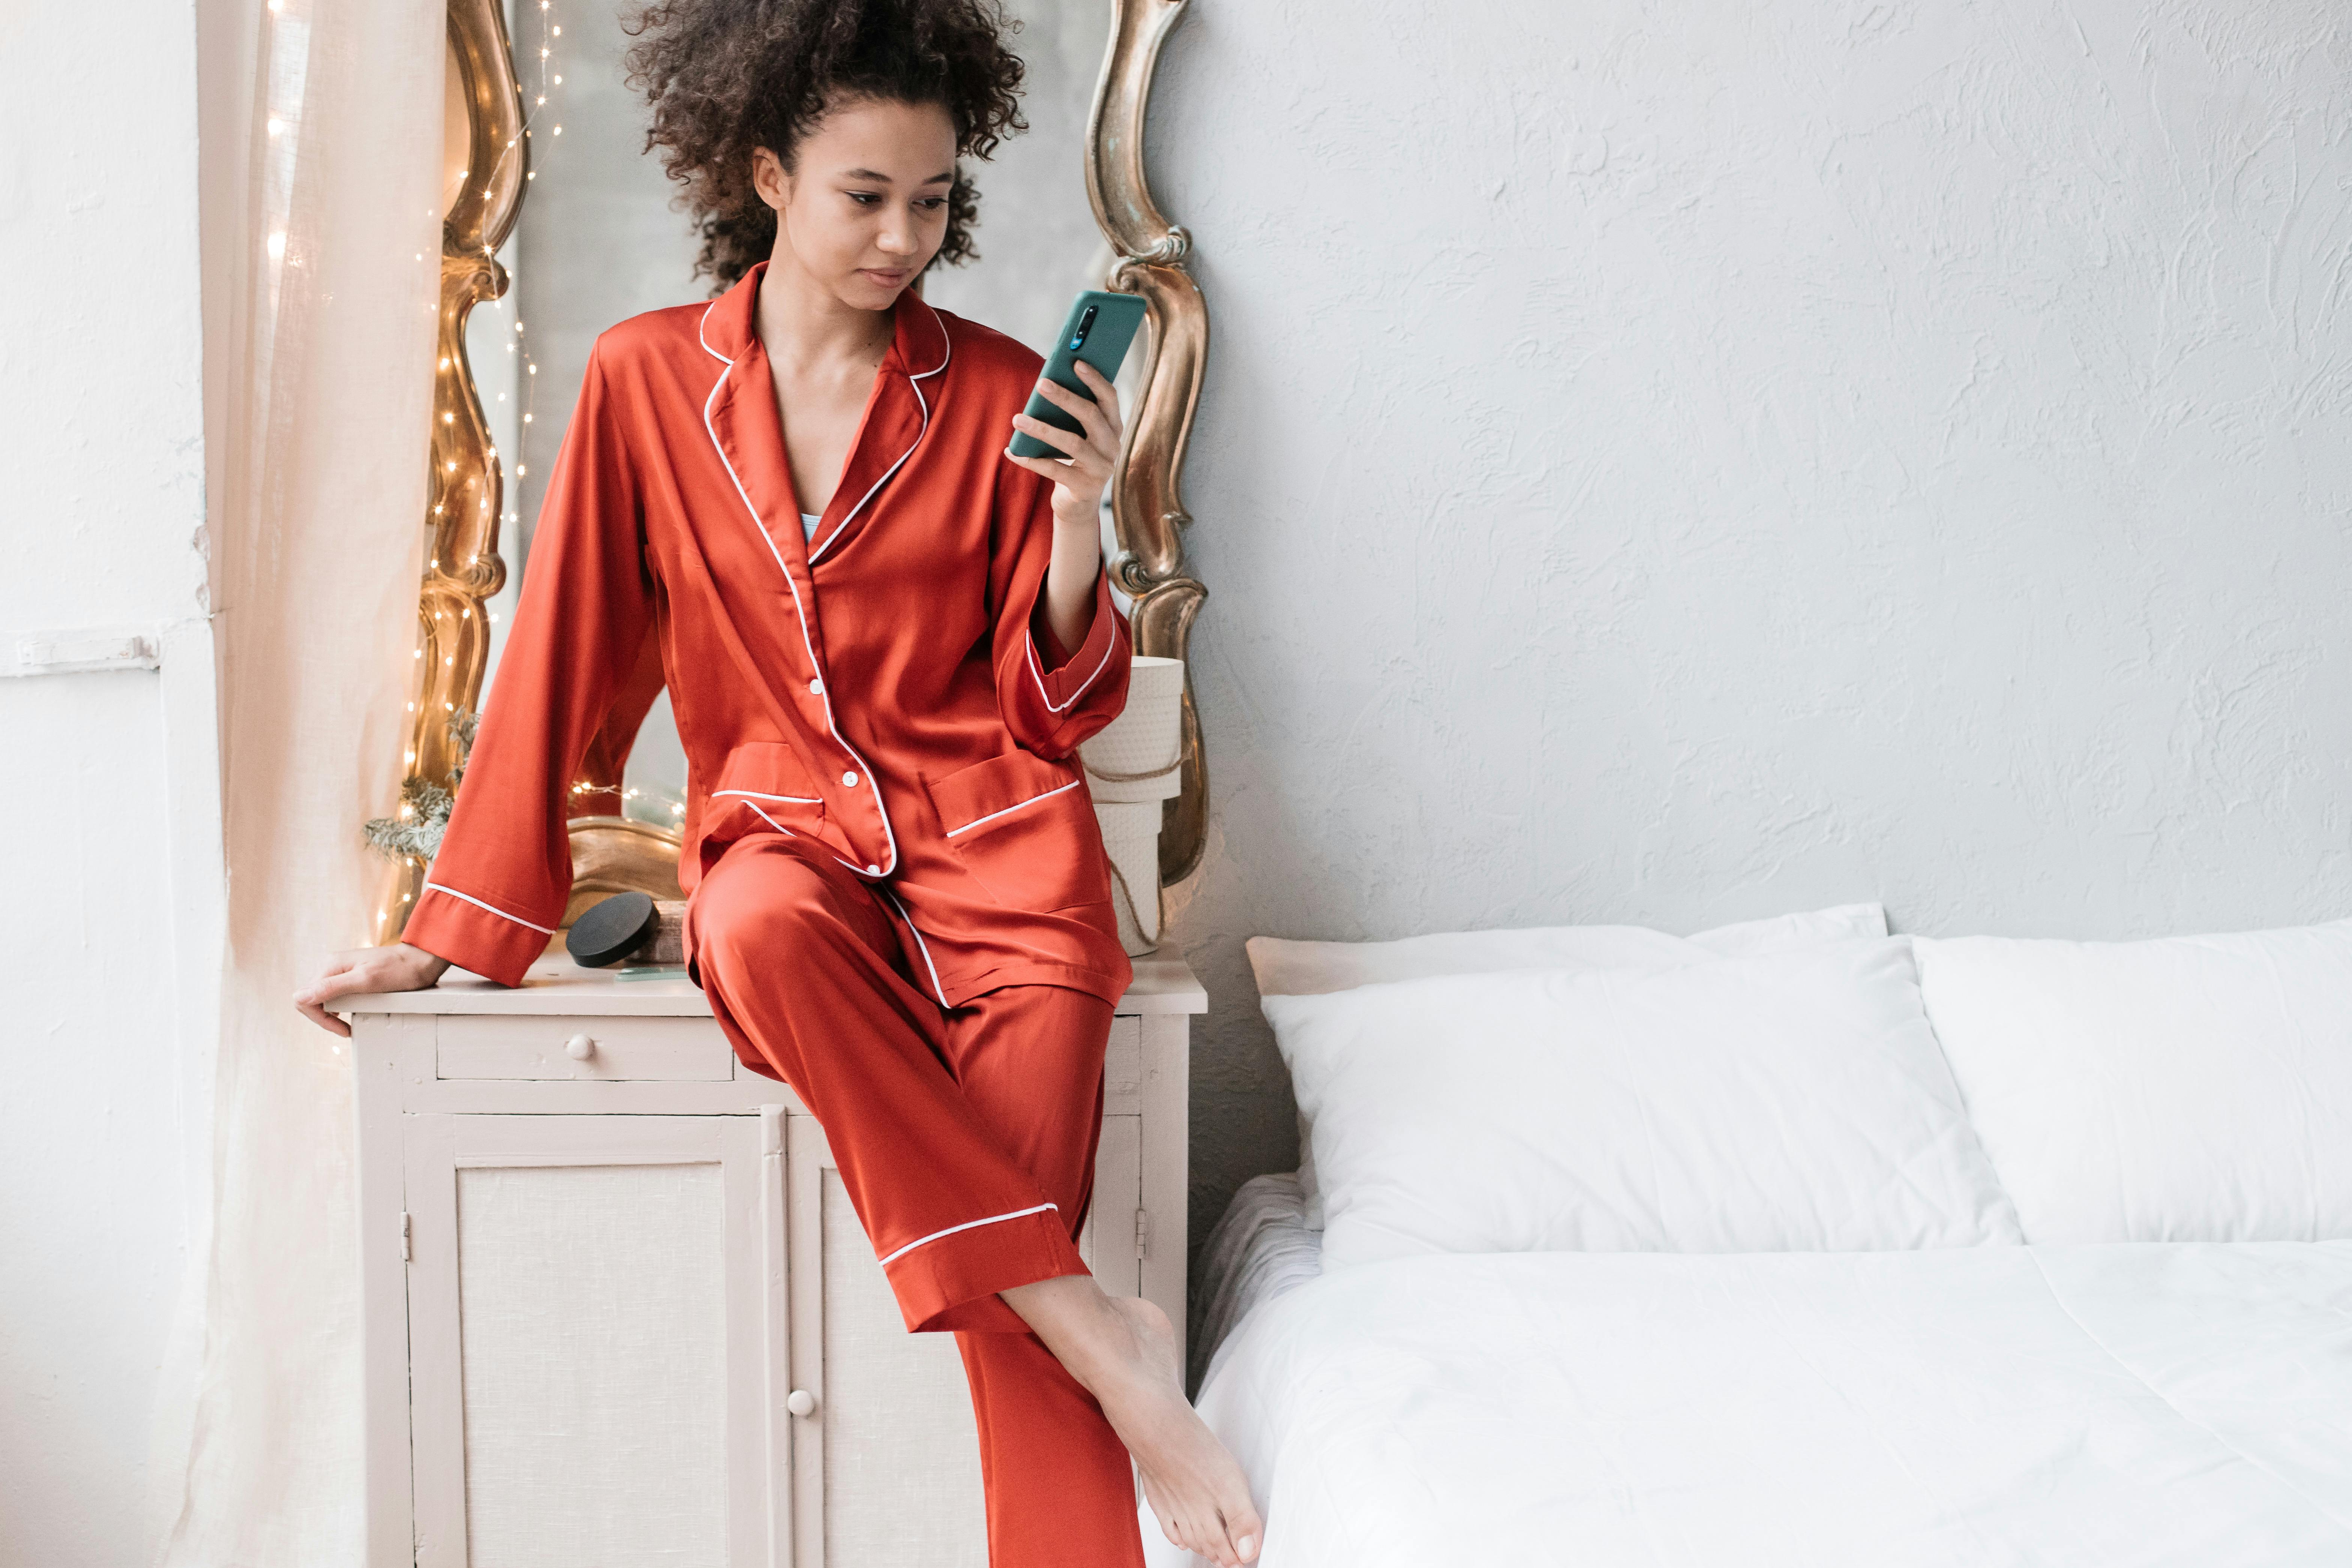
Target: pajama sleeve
point(1052, 697)
point(498, 885)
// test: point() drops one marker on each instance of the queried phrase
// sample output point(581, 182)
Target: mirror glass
point(599, 241)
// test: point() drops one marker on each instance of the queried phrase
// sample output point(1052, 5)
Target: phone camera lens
point(1086, 324)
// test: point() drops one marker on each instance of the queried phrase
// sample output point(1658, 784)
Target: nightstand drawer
point(476, 1045)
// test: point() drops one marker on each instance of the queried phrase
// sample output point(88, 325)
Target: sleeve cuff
point(1062, 678)
point(474, 935)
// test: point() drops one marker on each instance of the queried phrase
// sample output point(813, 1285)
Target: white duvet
point(2085, 1406)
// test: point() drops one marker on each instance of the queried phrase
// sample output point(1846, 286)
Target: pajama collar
point(741, 414)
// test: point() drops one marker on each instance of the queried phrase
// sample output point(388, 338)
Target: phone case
point(1101, 340)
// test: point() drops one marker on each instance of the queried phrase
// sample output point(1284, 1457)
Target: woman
point(898, 899)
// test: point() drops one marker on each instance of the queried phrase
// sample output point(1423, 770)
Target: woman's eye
point(862, 198)
point(931, 204)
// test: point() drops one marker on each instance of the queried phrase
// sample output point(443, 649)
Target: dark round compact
point(609, 931)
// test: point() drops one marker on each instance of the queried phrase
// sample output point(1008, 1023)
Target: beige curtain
point(322, 148)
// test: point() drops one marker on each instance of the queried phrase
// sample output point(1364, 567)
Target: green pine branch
point(415, 833)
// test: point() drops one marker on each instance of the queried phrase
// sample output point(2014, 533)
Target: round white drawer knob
point(800, 1402)
point(580, 1047)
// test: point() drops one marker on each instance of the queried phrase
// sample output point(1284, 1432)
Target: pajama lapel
point(898, 411)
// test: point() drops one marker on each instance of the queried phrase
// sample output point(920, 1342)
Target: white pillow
point(1790, 1102)
point(1286, 968)
point(2189, 1089)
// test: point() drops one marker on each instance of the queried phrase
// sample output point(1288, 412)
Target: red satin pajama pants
point(965, 1138)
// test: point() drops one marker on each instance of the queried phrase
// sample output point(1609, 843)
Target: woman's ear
point(769, 178)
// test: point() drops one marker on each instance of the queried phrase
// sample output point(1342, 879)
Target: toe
point(1242, 1528)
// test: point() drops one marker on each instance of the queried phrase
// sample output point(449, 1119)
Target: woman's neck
point(806, 327)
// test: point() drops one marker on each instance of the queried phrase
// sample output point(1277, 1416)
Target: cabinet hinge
point(1143, 1233)
point(403, 1239)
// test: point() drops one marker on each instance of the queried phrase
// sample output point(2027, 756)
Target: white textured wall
point(1671, 463)
point(109, 921)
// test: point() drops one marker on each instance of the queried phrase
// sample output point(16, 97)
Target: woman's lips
point(879, 276)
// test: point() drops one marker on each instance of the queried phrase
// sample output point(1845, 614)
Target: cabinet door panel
point(886, 1467)
point(592, 1304)
point(1123, 1069)
point(901, 1453)
point(1108, 1240)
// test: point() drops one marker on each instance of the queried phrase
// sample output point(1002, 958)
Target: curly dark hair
point(725, 76)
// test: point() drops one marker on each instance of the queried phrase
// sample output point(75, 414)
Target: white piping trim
point(925, 948)
point(968, 1224)
point(432, 886)
point(702, 322)
point(921, 402)
point(824, 693)
point(1089, 680)
point(756, 795)
point(1008, 810)
point(779, 826)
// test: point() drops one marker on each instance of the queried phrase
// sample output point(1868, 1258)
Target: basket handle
point(1183, 756)
point(1121, 878)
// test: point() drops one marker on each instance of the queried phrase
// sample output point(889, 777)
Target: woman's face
point(865, 208)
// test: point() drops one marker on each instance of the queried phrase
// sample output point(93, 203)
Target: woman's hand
point(1078, 477)
point(364, 971)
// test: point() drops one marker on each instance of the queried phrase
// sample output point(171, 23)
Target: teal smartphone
point(1099, 329)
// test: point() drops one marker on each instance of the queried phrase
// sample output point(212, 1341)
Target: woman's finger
point(1044, 467)
point(1106, 396)
point(1087, 414)
point(1101, 433)
point(313, 999)
point(1087, 467)
point(347, 973)
point(1064, 441)
point(340, 964)
point(1065, 480)
point(326, 1020)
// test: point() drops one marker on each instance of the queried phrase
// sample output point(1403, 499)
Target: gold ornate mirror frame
point(463, 566)
point(1147, 507)
point(464, 488)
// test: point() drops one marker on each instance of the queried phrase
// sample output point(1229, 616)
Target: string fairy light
point(535, 99)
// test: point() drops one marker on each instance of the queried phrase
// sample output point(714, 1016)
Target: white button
point(873, 871)
point(816, 689)
point(849, 779)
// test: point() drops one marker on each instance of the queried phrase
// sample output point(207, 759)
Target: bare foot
point(1124, 1353)
point(1195, 1488)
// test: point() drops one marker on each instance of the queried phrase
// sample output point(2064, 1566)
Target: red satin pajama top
point(887, 691)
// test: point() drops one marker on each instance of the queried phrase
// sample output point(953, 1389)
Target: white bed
point(2186, 1403)
point(2175, 1404)
point(1260, 1250)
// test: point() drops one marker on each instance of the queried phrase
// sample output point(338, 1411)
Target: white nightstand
point(617, 1309)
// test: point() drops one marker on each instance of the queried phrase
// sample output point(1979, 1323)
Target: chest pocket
point(762, 784)
point(1025, 829)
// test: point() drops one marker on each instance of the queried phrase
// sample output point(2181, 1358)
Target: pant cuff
point(951, 1281)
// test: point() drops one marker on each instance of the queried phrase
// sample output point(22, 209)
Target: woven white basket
point(1130, 831)
point(1142, 747)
